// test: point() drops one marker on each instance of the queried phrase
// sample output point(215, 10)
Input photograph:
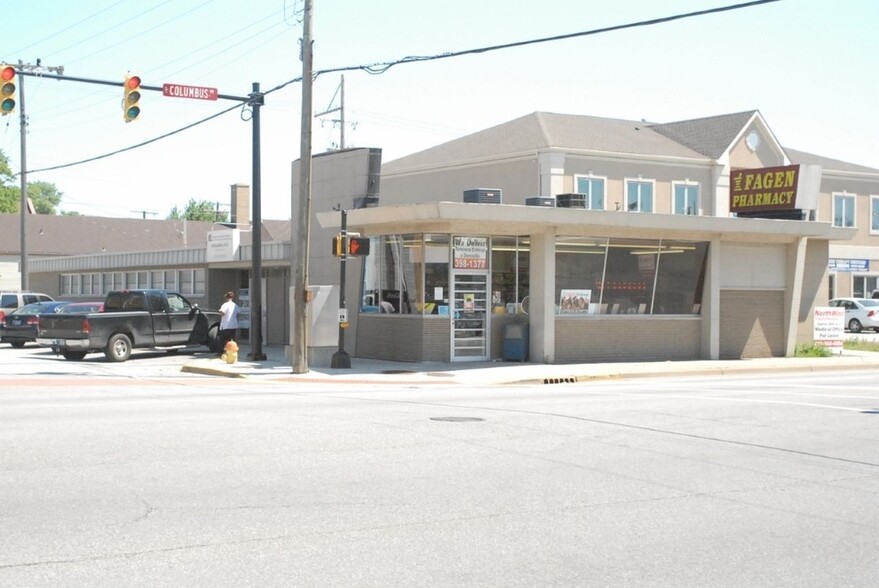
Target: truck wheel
point(17, 344)
point(74, 355)
point(118, 347)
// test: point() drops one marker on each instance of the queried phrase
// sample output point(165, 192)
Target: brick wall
point(629, 338)
point(402, 338)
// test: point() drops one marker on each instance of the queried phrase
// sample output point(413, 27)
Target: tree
point(45, 195)
point(9, 193)
point(203, 210)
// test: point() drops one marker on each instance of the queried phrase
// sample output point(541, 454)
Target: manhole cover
point(456, 419)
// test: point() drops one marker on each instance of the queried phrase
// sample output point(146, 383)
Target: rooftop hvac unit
point(571, 200)
point(483, 195)
point(540, 201)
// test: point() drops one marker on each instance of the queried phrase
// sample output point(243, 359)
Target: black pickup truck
point(131, 319)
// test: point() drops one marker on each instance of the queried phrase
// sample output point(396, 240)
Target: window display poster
point(469, 303)
point(575, 301)
point(470, 253)
point(244, 308)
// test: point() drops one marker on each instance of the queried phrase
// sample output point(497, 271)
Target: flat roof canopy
point(515, 219)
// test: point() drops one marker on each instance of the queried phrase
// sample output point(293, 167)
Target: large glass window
point(436, 274)
point(593, 188)
point(874, 214)
point(393, 277)
point(843, 210)
point(509, 272)
point(639, 196)
point(629, 276)
point(686, 198)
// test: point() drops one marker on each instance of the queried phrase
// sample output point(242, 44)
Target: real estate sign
point(828, 326)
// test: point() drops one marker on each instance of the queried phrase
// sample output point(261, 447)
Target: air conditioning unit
point(540, 201)
point(483, 195)
point(571, 200)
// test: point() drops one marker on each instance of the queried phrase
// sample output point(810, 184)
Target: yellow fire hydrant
point(231, 352)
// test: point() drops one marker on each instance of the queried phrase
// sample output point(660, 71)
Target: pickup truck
point(131, 319)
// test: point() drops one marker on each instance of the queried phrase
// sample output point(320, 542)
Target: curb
point(209, 371)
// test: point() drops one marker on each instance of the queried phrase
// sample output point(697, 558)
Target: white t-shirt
point(229, 320)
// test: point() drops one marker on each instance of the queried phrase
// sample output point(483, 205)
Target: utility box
point(571, 200)
point(515, 342)
point(483, 195)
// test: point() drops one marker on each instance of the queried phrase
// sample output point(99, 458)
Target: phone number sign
point(470, 253)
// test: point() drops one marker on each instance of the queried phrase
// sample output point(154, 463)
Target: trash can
point(515, 337)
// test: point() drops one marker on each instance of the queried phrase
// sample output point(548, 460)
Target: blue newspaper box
point(515, 337)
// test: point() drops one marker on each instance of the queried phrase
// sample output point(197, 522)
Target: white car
point(860, 313)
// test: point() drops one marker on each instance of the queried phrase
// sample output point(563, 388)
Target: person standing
point(228, 320)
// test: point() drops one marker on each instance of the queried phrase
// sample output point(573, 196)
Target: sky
point(808, 66)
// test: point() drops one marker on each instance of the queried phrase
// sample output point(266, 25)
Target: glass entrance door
point(470, 316)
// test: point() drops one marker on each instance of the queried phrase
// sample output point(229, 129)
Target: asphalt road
point(751, 481)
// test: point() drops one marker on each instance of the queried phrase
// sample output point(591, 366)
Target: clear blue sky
point(809, 66)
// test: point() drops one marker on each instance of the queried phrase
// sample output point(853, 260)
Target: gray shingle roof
point(826, 162)
point(54, 235)
point(710, 136)
point(544, 130)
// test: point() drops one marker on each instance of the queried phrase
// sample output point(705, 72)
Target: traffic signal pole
point(255, 100)
point(340, 358)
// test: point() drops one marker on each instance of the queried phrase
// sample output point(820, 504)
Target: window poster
point(575, 301)
point(470, 253)
point(469, 303)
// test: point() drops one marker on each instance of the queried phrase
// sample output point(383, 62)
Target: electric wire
point(67, 28)
point(382, 67)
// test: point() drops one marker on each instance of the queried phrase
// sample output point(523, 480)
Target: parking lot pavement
point(34, 361)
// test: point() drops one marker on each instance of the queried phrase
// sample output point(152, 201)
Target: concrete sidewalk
point(277, 366)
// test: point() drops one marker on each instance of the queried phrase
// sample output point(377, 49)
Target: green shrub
point(812, 350)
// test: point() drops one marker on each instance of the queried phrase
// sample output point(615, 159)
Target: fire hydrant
point(231, 352)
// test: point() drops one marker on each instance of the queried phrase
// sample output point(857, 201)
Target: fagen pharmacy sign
point(768, 188)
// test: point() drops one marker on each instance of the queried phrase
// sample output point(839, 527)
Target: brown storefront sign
point(768, 188)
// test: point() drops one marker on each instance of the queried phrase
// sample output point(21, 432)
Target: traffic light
point(356, 246)
point(7, 89)
point(131, 98)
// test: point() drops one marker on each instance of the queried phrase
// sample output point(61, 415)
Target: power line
point(382, 67)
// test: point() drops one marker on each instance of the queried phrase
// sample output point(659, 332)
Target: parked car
point(875, 293)
point(9, 301)
point(860, 313)
point(20, 325)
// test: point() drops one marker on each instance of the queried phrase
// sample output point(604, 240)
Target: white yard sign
point(828, 326)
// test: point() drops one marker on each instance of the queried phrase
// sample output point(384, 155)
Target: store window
point(436, 274)
point(686, 198)
point(863, 286)
point(509, 273)
point(593, 188)
point(629, 276)
point(393, 275)
point(639, 196)
point(874, 214)
point(843, 210)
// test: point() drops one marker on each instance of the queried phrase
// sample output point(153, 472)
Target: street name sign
point(181, 91)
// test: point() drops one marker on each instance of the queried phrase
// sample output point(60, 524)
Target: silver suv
point(9, 301)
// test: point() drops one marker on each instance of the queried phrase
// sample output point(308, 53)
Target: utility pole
point(302, 208)
point(340, 91)
point(24, 208)
point(257, 99)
